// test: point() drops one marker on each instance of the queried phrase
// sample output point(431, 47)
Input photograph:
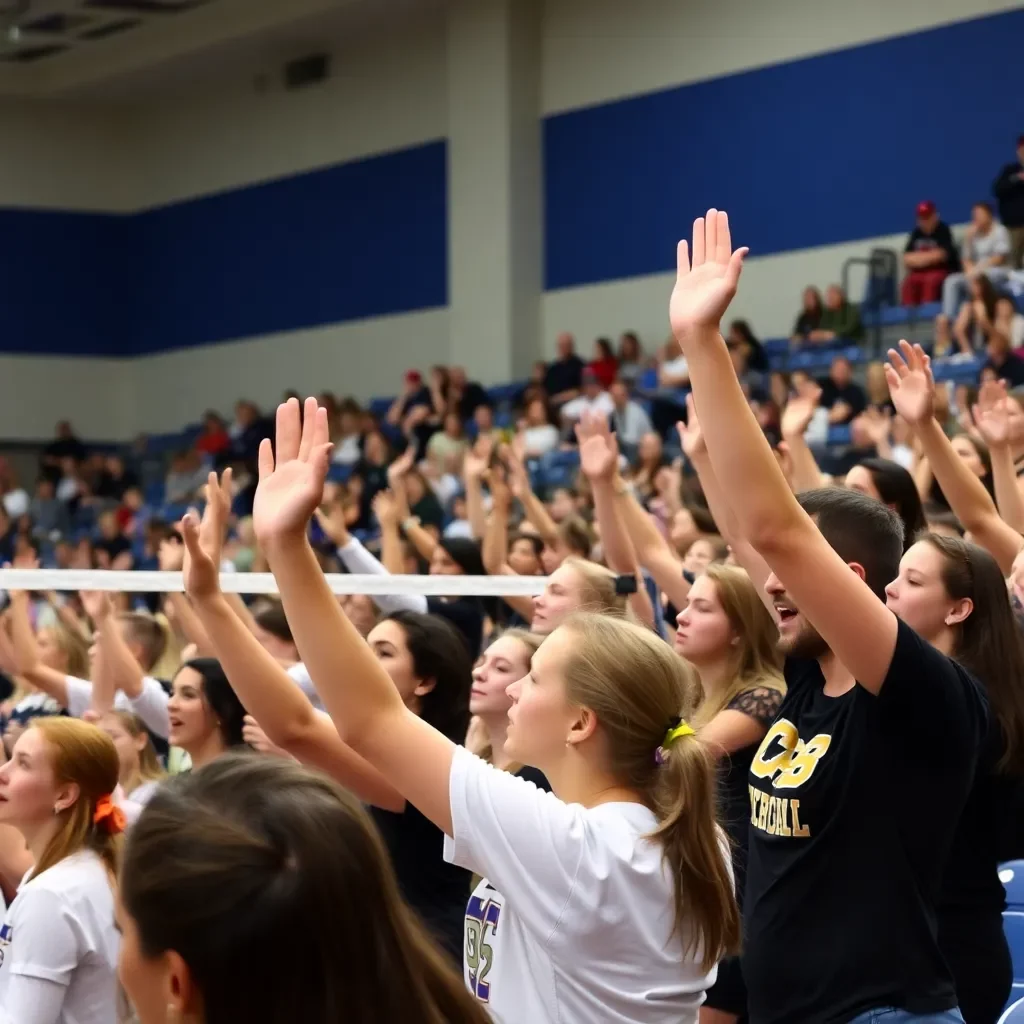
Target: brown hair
point(988, 642)
point(757, 662)
point(86, 756)
point(637, 686)
point(152, 635)
point(244, 856)
point(576, 537)
point(74, 647)
point(149, 763)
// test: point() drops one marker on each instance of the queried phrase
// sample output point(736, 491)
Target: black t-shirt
point(852, 394)
point(854, 803)
point(760, 703)
point(564, 375)
point(940, 238)
point(436, 890)
point(114, 546)
point(1011, 369)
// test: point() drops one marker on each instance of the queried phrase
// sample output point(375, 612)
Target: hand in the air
point(992, 413)
point(706, 277)
point(911, 384)
point(799, 411)
point(204, 539)
point(292, 473)
point(691, 437)
point(599, 451)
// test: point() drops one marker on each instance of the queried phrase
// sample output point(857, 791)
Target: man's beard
point(806, 644)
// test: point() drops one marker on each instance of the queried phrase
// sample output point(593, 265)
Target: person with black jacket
point(1009, 190)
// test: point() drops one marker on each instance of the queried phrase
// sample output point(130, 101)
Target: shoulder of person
point(80, 872)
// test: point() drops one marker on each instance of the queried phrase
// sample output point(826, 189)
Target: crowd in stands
point(754, 752)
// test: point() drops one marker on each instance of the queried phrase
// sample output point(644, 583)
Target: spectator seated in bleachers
point(539, 434)
point(593, 398)
point(214, 437)
point(631, 358)
point(986, 250)
point(1001, 363)
point(809, 318)
point(840, 319)
point(841, 394)
point(1009, 191)
point(563, 378)
point(930, 257)
point(605, 364)
point(629, 418)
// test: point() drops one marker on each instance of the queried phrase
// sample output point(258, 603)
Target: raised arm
point(991, 417)
point(366, 708)
point(262, 685)
point(494, 550)
point(833, 597)
point(422, 540)
point(912, 388)
point(599, 460)
point(519, 480)
point(474, 466)
point(796, 418)
point(26, 652)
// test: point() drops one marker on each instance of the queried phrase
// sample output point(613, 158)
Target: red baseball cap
point(413, 377)
point(925, 208)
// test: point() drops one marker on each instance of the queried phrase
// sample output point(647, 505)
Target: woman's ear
point(959, 612)
point(583, 727)
point(425, 687)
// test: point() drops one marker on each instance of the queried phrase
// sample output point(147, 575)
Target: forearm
point(806, 473)
point(391, 553)
point(23, 640)
point(537, 514)
point(1008, 497)
point(356, 691)
point(360, 561)
point(752, 484)
point(475, 507)
point(422, 541)
point(121, 671)
point(495, 544)
point(188, 624)
point(262, 685)
point(618, 548)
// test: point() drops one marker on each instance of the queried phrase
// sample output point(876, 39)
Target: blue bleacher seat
point(1014, 1013)
point(648, 380)
point(776, 347)
point(506, 392)
point(839, 433)
point(340, 472)
point(1011, 874)
point(965, 371)
point(379, 406)
point(893, 316)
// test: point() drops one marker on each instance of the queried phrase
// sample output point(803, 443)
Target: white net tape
point(264, 583)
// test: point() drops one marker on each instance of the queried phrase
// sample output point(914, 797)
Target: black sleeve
point(945, 239)
point(534, 775)
point(934, 702)
point(760, 703)
point(858, 399)
point(1004, 183)
point(912, 240)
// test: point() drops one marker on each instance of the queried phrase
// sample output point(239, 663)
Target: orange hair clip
point(109, 816)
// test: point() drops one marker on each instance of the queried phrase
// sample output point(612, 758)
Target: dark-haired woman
point(888, 482)
point(258, 861)
point(205, 714)
point(430, 668)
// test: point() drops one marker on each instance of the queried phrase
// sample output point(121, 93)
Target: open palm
point(911, 385)
point(292, 473)
point(691, 437)
point(204, 540)
point(799, 412)
point(991, 413)
point(706, 278)
point(599, 454)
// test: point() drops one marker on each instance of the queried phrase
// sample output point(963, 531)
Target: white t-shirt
point(300, 674)
point(58, 946)
point(575, 409)
point(150, 705)
point(573, 921)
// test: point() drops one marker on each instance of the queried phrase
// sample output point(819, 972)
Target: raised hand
point(691, 437)
point(204, 539)
point(401, 466)
point(292, 473)
point(599, 451)
point(799, 412)
point(706, 277)
point(385, 508)
point(477, 459)
point(97, 605)
point(171, 555)
point(877, 424)
point(992, 413)
point(911, 384)
point(332, 522)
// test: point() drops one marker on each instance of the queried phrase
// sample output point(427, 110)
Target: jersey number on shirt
point(480, 916)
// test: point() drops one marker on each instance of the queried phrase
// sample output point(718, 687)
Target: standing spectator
point(986, 251)
point(930, 257)
point(604, 364)
point(841, 394)
point(631, 358)
point(593, 399)
point(1009, 190)
point(215, 438)
point(66, 445)
point(809, 319)
point(840, 319)
point(629, 420)
point(564, 377)
point(114, 479)
point(49, 514)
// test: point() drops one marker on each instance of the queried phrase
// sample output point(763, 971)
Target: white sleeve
point(527, 843)
point(358, 560)
point(304, 681)
point(32, 1001)
point(151, 707)
point(45, 945)
point(79, 695)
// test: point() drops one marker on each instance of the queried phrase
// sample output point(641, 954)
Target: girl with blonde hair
point(614, 887)
point(58, 939)
point(729, 636)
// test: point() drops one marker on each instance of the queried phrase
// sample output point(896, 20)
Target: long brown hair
point(86, 756)
point(757, 661)
point(597, 587)
point(251, 854)
point(74, 647)
point(988, 641)
point(637, 686)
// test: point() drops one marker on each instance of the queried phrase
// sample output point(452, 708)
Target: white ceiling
point(139, 50)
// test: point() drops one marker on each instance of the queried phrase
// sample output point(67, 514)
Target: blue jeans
point(892, 1015)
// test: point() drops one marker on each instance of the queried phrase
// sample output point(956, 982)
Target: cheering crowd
point(753, 754)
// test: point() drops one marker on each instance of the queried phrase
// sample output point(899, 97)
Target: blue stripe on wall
point(823, 150)
point(361, 239)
